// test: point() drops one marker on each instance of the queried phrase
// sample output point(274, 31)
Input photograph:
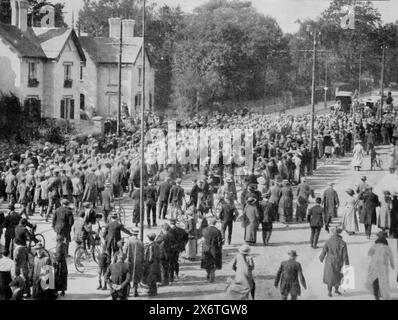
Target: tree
point(35, 5)
point(222, 54)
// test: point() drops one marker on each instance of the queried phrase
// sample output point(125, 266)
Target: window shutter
point(62, 109)
point(72, 109)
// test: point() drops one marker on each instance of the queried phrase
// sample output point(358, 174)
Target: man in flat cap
point(63, 222)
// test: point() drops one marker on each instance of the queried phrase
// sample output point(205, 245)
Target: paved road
point(192, 284)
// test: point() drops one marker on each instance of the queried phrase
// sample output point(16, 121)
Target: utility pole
point(326, 83)
point(382, 81)
point(142, 211)
point(119, 107)
point(360, 75)
point(314, 51)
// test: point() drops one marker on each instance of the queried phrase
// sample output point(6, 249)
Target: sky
point(286, 12)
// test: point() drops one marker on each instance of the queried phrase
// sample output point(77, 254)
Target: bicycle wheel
point(41, 239)
point(96, 252)
point(81, 259)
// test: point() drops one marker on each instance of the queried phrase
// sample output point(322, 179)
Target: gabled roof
point(106, 50)
point(54, 40)
point(25, 43)
point(45, 43)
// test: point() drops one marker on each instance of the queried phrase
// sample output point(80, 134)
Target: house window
point(67, 110)
point(139, 76)
point(82, 101)
point(32, 75)
point(81, 71)
point(112, 76)
point(138, 99)
point(112, 104)
point(68, 75)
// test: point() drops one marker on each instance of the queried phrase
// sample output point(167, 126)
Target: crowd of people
point(77, 187)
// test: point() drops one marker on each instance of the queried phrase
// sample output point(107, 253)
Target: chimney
point(128, 29)
point(23, 15)
point(114, 27)
point(14, 12)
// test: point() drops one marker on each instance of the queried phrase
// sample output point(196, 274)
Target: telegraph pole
point(326, 83)
point(142, 211)
point(382, 81)
point(314, 51)
point(119, 107)
point(360, 74)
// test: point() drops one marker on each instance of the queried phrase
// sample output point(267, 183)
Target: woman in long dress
point(251, 221)
point(350, 220)
point(358, 155)
point(384, 220)
point(243, 286)
point(378, 272)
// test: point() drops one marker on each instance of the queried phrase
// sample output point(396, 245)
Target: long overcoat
point(211, 249)
point(335, 255)
point(368, 212)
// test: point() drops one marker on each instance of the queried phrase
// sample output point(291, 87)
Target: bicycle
point(83, 258)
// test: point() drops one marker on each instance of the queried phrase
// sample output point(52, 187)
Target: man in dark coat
point(211, 250)
point(163, 198)
point(268, 214)
point(275, 195)
point(361, 188)
point(150, 198)
point(54, 192)
point(66, 185)
point(63, 222)
point(368, 214)
point(177, 240)
point(152, 265)
point(118, 277)
point(331, 203)
point(107, 200)
point(10, 222)
point(290, 275)
point(303, 193)
point(163, 240)
point(6, 266)
point(176, 197)
point(113, 234)
point(228, 215)
point(336, 254)
point(316, 218)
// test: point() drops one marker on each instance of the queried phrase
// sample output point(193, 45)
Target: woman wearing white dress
point(350, 220)
point(384, 220)
point(358, 156)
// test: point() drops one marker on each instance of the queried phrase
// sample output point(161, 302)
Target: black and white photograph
point(198, 150)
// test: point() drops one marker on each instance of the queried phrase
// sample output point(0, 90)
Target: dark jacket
point(370, 203)
point(10, 222)
point(63, 221)
point(228, 213)
point(211, 249)
point(164, 191)
point(289, 275)
point(176, 195)
point(316, 216)
point(268, 212)
point(151, 195)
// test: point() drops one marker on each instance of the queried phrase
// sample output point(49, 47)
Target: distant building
point(41, 65)
point(55, 74)
point(101, 76)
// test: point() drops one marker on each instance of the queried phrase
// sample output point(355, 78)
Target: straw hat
point(244, 249)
